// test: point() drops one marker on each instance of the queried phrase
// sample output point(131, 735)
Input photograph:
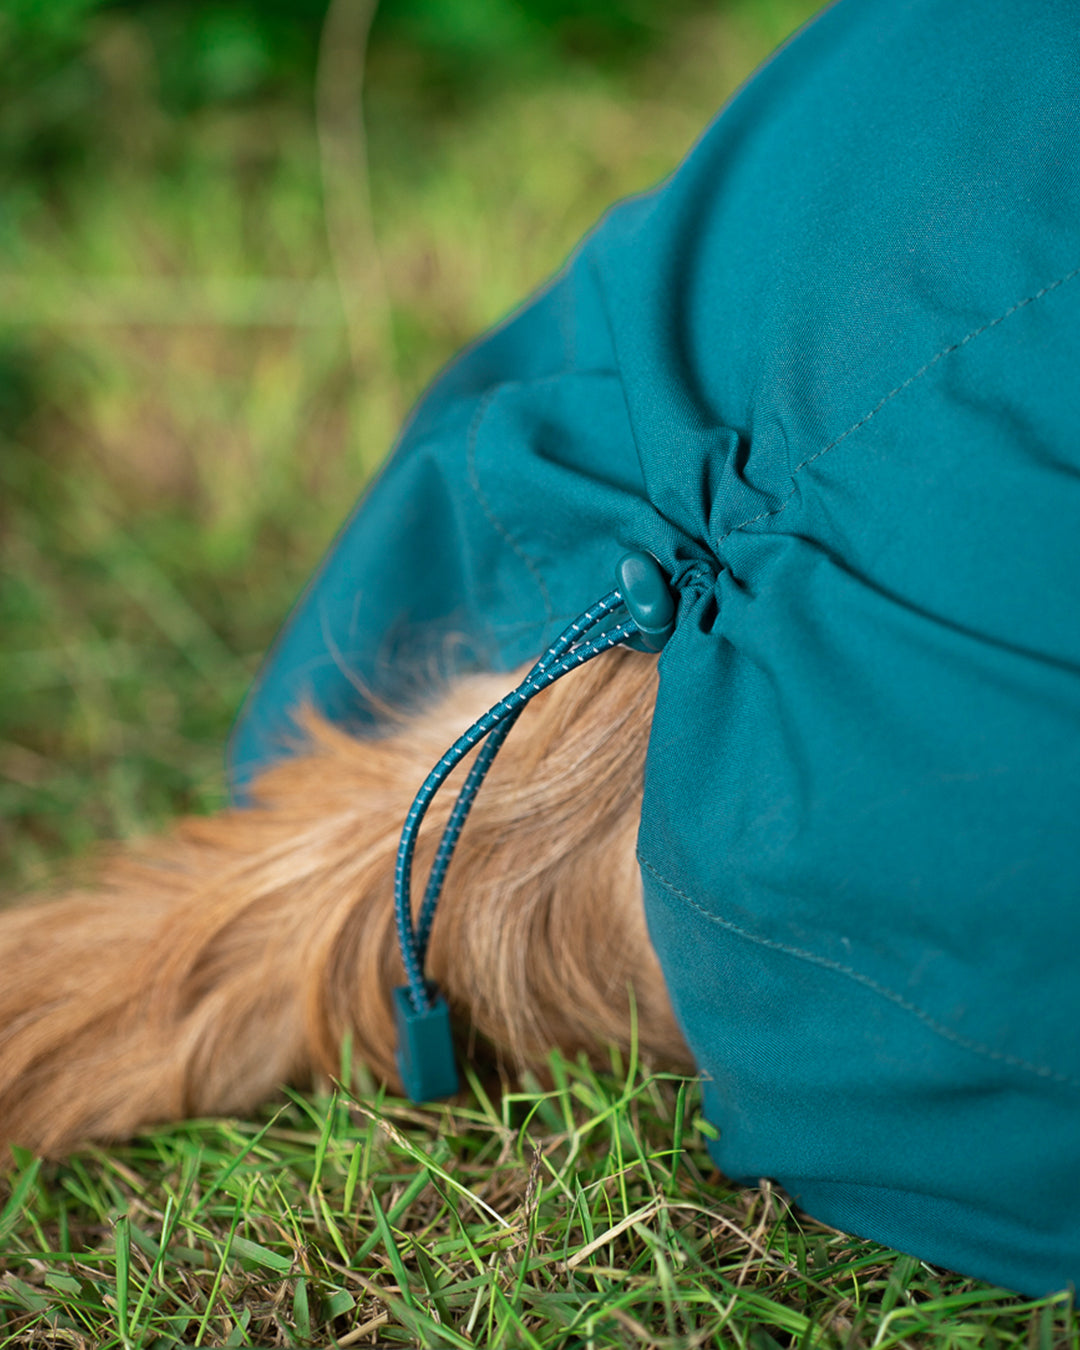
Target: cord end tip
point(425, 1056)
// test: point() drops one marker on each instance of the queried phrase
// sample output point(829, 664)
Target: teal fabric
point(829, 375)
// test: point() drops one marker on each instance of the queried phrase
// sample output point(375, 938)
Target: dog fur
point(200, 972)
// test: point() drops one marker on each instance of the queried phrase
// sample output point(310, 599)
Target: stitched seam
point(485, 505)
point(525, 625)
point(911, 379)
point(975, 1047)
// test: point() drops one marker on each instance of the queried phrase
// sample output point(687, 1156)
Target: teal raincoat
point(828, 374)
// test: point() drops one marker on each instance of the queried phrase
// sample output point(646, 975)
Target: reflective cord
point(566, 640)
point(425, 1052)
point(577, 644)
point(452, 830)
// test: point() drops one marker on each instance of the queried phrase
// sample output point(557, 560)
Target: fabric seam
point(893, 393)
point(523, 625)
point(486, 507)
point(974, 1047)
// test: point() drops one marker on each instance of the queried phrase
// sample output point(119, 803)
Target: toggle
point(647, 596)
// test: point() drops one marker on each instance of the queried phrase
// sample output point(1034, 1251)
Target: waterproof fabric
point(829, 374)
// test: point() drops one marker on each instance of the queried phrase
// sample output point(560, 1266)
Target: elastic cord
point(573, 648)
point(425, 1055)
point(569, 639)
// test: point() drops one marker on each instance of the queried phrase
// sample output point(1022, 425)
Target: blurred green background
point(220, 289)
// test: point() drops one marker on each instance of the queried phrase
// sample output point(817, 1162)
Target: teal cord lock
point(639, 612)
point(648, 600)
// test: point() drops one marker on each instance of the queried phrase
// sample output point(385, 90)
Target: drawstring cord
point(425, 1050)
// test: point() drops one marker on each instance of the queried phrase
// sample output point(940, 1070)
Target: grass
point(187, 409)
point(587, 1215)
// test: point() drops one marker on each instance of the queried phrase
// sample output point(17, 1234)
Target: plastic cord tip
point(425, 1054)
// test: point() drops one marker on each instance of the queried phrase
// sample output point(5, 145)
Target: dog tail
point(199, 973)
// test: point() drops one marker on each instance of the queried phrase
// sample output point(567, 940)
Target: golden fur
point(200, 972)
